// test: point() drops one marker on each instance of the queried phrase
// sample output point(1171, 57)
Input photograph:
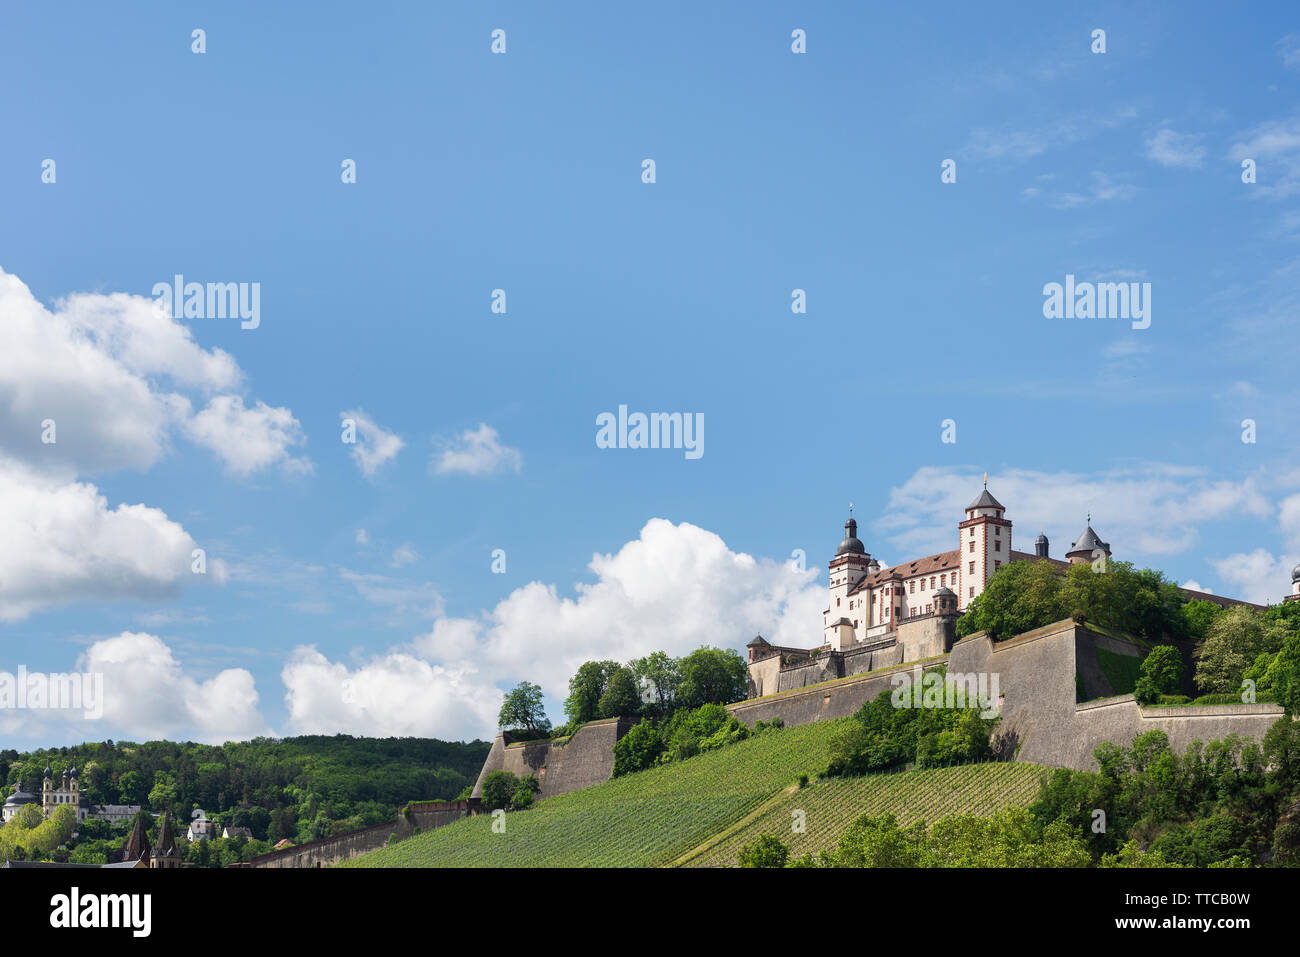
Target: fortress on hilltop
point(1056, 701)
point(877, 617)
point(883, 626)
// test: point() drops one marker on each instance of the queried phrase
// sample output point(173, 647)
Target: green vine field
point(656, 817)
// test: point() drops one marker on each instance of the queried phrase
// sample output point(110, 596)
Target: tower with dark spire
point(1295, 585)
point(1088, 548)
point(983, 544)
point(166, 855)
point(849, 566)
point(137, 845)
point(1040, 545)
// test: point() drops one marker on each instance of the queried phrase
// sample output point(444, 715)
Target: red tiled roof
point(1027, 557)
point(930, 565)
point(1219, 600)
point(951, 561)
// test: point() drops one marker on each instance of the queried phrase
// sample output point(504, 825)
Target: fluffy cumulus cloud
point(475, 452)
point(147, 694)
point(1289, 519)
point(97, 383)
point(374, 445)
point(248, 440)
point(392, 695)
point(674, 588)
point(118, 378)
point(64, 542)
point(1145, 511)
point(1257, 576)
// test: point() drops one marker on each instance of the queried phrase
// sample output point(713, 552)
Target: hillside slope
point(830, 806)
point(646, 819)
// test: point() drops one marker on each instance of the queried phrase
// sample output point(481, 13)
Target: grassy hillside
point(830, 806)
point(640, 820)
point(658, 816)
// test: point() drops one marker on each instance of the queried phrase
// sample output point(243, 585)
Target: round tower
point(1088, 548)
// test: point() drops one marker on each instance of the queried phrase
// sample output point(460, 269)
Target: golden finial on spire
point(986, 479)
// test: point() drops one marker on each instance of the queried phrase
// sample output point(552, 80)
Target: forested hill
point(300, 788)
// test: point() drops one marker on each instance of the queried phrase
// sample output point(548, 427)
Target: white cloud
point(1102, 189)
point(1141, 511)
point(986, 143)
point(1256, 576)
point(476, 452)
point(1193, 585)
point(1289, 520)
point(62, 542)
point(674, 588)
point(248, 440)
point(400, 596)
point(1288, 48)
point(113, 374)
point(404, 555)
point(1171, 148)
point(374, 445)
point(1275, 146)
point(148, 695)
point(392, 695)
point(363, 537)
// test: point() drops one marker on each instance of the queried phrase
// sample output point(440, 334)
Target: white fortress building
point(877, 617)
point(868, 602)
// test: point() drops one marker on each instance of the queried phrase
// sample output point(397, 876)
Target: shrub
point(767, 851)
point(639, 749)
point(498, 789)
point(1162, 672)
point(523, 795)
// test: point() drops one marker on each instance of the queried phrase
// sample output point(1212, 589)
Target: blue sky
point(775, 171)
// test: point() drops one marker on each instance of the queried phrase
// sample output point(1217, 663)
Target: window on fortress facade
point(997, 565)
point(927, 609)
point(972, 568)
point(911, 587)
point(972, 546)
point(972, 531)
point(997, 531)
point(922, 584)
point(837, 603)
point(972, 591)
point(941, 580)
point(997, 546)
